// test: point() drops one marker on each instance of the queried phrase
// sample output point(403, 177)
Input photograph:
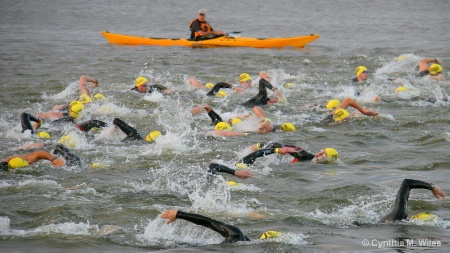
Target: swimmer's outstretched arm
point(217, 87)
point(251, 158)
point(84, 82)
point(231, 233)
point(351, 102)
point(399, 210)
point(214, 168)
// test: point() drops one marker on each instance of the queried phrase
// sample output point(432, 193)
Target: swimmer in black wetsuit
point(213, 168)
point(300, 155)
point(90, 124)
point(25, 120)
point(261, 98)
point(71, 158)
point(217, 87)
point(141, 86)
point(133, 134)
point(229, 232)
point(399, 210)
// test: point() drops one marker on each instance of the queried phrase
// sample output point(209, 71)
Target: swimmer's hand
point(169, 214)
point(369, 112)
point(243, 173)
point(438, 193)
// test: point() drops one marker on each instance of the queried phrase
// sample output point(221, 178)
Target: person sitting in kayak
point(399, 211)
point(141, 86)
point(434, 70)
point(201, 30)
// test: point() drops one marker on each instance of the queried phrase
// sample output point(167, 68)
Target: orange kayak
point(299, 41)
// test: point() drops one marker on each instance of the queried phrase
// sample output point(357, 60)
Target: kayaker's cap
point(209, 85)
point(140, 81)
point(202, 12)
point(332, 154)
point(244, 77)
point(223, 126)
point(359, 70)
point(99, 96)
point(288, 127)
point(85, 99)
point(270, 234)
point(435, 69)
point(340, 115)
point(221, 94)
point(152, 136)
point(333, 104)
point(17, 162)
point(43, 135)
point(400, 88)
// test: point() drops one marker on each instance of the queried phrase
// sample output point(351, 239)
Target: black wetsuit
point(300, 156)
point(217, 87)
point(132, 134)
point(88, 125)
point(25, 120)
point(71, 158)
point(230, 232)
point(423, 73)
point(261, 98)
point(213, 168)
point(215, 118)
point(152, 88)
point(401, 202)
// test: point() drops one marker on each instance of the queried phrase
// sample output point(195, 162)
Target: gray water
point(46, 45)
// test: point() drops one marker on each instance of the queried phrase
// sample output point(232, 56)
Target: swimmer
point(401, 202)
point(340, 114)
point(25, 120)
point(15, 162)
point(214, 168)
point(361, 74)
point(73, 111)
point(261, 98)
point(245, 83)
point(141, 86)
point(434, 70)
point(229, 232)
point(85, 93)
point(90, 124)
point(324, 156)
point(133, 134)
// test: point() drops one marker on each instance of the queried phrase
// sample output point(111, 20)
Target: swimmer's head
point(435, 69)
point(326, 155)
point(223, 126)
point(209, 85)
point(270, 234)
point(99, 96)
point(17, 162)
point(140, 81)
point(43, 135)
point(244, 77)
point(241, 165)
point(234, 121)
point(341, 115)
point(332, 154)
point(68, 140)
point(75, 108)
point(152, 136)
point(287, 85)
point(221, 94)
point(400, 89)
point(97, 166)
point(424, 217)
point(332, 104)
point(85, 99)
point(288, 127)
point(232, 183)
point(359, 70)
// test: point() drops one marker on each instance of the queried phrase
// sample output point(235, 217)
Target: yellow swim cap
point(209, 85)
point(400, 88)
point(333, 104)
point(67, 140)
point(332, 154)
point(232, 183)
point(43, 135)
point(241, 165)
point(97, 165)
point(99, 96)
point(140, 81)
point(270, 234)
point(435, 69)
point(85, 99)
point(221, 94)
point(223, 126)
point(235, 121)
point(340, 115)
point(287, 85)
point(17, 162)
point(424, 217)
point(244, 77)
point(152, 136)
point(359, 70)
point(75, 108)
point(288, 127)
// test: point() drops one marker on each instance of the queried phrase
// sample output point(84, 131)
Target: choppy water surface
point(46, 45)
